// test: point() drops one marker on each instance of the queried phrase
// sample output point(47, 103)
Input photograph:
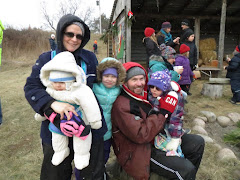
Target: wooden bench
point(219, 80)
point(208, 72)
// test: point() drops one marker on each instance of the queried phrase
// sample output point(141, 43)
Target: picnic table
point(209, 72)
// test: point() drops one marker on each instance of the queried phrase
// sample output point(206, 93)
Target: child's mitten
point(168, 104)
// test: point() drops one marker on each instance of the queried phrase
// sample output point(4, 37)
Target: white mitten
point(173, 144)
point(175, 86)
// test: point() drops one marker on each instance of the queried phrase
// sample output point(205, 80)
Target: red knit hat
point(184, 48)
point(238, 48)
point(148, 31)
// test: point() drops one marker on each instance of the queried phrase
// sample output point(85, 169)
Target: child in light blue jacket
point(110, 74)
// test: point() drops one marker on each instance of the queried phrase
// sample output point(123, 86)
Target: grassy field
point(20, 151)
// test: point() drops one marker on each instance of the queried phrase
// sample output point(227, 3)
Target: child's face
point(171, 60)
point(59, 86)
point(109, 80)
point(155, 91)
point(191, 38)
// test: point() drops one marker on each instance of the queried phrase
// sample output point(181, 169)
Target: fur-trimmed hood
point(111, 62)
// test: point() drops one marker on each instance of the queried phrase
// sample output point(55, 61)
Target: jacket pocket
point(123, 148)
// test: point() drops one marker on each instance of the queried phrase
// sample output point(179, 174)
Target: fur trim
point(156, 58)
point(115, 64)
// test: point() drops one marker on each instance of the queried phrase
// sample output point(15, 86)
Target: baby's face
point(156, 92)
point(109, 80)
point(59, 86)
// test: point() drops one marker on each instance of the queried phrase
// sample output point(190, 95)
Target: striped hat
point(61, 76)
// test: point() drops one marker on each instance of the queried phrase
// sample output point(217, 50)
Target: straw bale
point(207, 44)
point(200, 62)
point(207, 56)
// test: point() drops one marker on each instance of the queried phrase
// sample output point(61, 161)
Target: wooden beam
point(204, 7)
point(185, 5)
point(222, 36)
point(128, 34)
point(197, 34)
point(163, 16)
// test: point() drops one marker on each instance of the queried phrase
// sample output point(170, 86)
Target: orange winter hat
point(95, 42)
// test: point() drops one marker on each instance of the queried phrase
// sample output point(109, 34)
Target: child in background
point(187, 74)
point(188, 39)
point(233, 72)
point(65, 81)
point(110, 74)
point(95, 47)
point(162, 88)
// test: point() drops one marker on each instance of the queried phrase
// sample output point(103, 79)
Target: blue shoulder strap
point(53, 53)
point(83, 66)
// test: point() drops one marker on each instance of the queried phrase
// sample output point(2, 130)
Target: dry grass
point(211, 168)
point(20, 151)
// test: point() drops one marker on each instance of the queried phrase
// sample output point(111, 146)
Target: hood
point(66, 62)
point(65, 21)
point(111, 62)
point(128, 66)
point(156, 58)
point(145, 40)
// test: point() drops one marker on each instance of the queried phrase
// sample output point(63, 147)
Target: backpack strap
point(84, 66)
point(53, 53)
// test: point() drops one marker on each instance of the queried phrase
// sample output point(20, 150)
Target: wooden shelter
point(218, 19)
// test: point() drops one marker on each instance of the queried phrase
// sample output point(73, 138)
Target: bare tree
point(64, 7)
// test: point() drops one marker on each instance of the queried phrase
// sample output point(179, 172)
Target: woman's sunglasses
point(71, 35)
point(152, 87)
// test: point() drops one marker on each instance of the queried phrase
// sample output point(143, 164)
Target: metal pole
point(100, 19)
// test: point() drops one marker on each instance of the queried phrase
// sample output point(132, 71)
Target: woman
point(165, 61)
point(150, 43)
point(72, 35)
point(164, 35)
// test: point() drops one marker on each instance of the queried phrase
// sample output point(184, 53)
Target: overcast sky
point(22, 13)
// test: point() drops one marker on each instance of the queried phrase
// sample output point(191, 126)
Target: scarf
point(168, 36)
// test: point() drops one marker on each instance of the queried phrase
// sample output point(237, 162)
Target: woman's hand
point(176, 40)
point(63, 108)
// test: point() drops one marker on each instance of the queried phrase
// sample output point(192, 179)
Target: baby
point(65, 81)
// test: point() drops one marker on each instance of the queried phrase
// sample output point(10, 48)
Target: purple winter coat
point(187, 72)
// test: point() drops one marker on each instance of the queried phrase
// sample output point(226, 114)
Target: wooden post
point(128, 34)
point(197, 34)
point(222, 36)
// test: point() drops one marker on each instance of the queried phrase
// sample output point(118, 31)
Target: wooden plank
point(219, 80)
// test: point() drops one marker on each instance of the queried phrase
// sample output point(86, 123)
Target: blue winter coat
point(192, 53)
point(233, 70)
point(106, 97)
point(53, 44)
point(187, 72)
